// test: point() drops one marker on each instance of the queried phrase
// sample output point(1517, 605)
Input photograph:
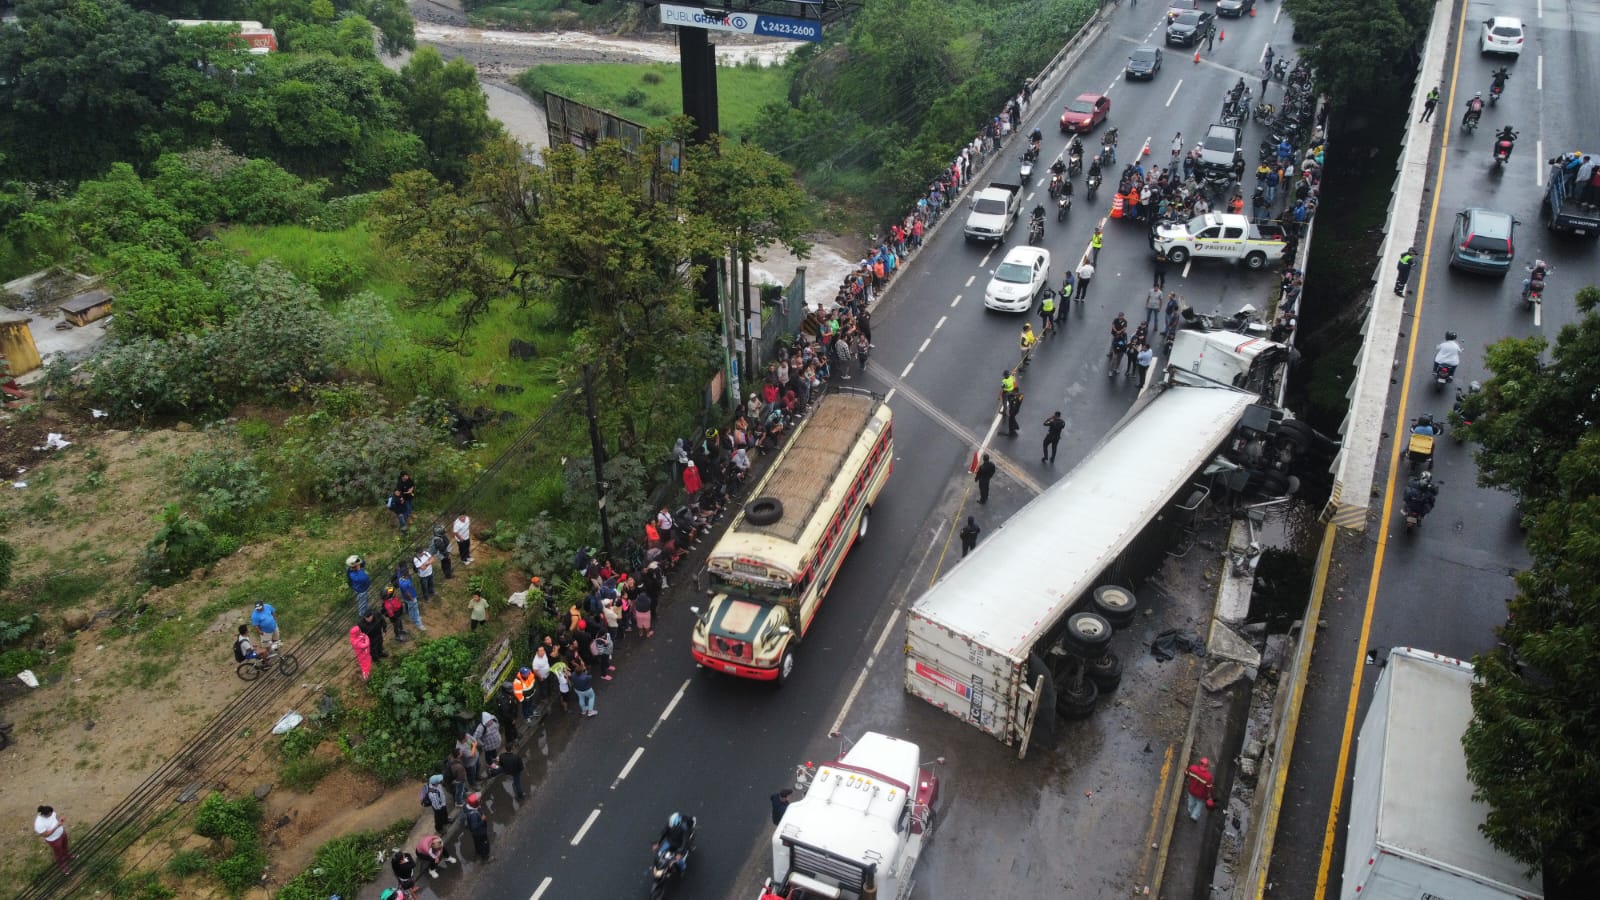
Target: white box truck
point(1413, 823)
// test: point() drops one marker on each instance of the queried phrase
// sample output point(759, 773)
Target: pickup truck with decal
point(1219, 236)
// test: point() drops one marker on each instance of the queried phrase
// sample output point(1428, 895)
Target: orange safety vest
point(518, 686)
point(1116, 207)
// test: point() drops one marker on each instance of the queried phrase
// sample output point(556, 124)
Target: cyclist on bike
point(243, 650)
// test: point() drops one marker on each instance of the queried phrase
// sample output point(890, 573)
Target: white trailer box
point(1413, 822)
point(968, 638)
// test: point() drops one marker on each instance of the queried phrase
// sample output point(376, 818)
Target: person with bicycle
point(243, 650)
point(265, 619)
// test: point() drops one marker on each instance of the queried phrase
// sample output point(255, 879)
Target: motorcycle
point(1502, 149)
point(1458, 417)
point(1494, 93)
point(1063, 205)
point(1092, 185)
point(1075, 163)
point(1055, 186)
point(664, 870)
point(1442, 375)
point(1419, 448)
point(1026, 172)
point(1419, 497)
point(1469, 124)
point(1036, 230)
point(1533, 289)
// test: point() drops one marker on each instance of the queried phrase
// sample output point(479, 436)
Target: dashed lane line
point(587, 824)
point(543, 886)
point(671, 705)
point(632, 761)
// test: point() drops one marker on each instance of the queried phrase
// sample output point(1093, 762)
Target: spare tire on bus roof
point(763, 510)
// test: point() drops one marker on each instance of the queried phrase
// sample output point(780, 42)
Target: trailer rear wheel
point(1105, 671)
point(1087, 634)
point(1076, 702)
point(1116, 603)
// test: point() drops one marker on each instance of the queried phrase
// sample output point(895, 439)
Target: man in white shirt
point(53, 830)
point(462, 529)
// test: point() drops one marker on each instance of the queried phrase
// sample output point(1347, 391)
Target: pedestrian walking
point(1053, 427)
point(52, 829)
point(422, 562)
point(405, 868)
point(489, 738)
point(372, 626)
point(1429, 104)
point(780, 804)
point(1159, 268)
point(1145, 358)
point(601, 648)
point(983, 476)
point(863, 349)
point(1085, 275)
point(1211, 36)
point(439, 546)
point(969, 536)
point(1173, 310)
point(1096, 241)
point(1047, 313)
point(462, 529)
point(477, 611)
point(560, 673)
point(394, 612)
point(1403, 270)
point(363, 650)
point(1066, 295)
point(360, 582)
point(1199, 782)
point(408, 595)
point(644, 604)
point(511, 766)
point(478, 825)
point(583, 686)
point(1177, 146)
point(433, 796)
point(471, 756)
point(1013, 409)
point(1025, 344)
point(431, 853)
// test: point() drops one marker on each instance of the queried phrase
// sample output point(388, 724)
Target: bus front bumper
point(728, 667)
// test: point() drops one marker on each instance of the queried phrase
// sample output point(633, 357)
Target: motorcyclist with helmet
point(1505, 140)
point(1474, 110)
point(1448, 353)
point(1498, 79)
point(676, 836)
point(1537, 270)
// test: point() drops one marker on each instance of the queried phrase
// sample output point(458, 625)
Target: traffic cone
point(1222, 35)
point(1197, 55)
point(973, 469)
point(1252, 10)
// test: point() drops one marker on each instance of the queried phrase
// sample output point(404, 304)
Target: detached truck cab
point(860, 827)
point(770, 572)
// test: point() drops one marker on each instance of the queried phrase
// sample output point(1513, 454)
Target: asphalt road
point(1442, 588)
point(669, 737)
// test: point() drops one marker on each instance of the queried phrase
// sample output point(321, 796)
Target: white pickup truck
point(994, 211)
point(1219, 236)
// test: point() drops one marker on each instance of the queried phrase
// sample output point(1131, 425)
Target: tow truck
point(1220, 236)
point(860, 827)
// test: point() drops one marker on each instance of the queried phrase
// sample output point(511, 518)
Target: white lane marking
point(1277, 14)
point(1537, 309)
point(889, 396)
point(925, 342)
point(1111, 85)
point(1541, 8)
point(543, 886)
point(1263, 56)
point(1538, 73)
point(671, 705)
point(984, 263)
point(1538, 169)
point(1174, 94)
point(587, 823)
point(861, 679)
point(632, 760)
point(1030, 195)
point(940, 323)
point(907, 370)
point(956, 300)
point(1186, 266)
point(970, 279)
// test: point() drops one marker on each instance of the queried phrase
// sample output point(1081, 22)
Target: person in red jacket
point(1199, 781)
point(691, 480)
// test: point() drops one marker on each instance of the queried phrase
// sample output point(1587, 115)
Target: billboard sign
point(758, 24)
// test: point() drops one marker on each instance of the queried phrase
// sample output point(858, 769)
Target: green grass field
point(544, 14)
point(649, 93)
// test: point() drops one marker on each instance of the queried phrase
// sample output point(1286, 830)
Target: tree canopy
point(1533, 748)
point(1359, 47)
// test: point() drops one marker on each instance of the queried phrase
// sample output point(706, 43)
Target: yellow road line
point(1155, 814)
point(1330, 832)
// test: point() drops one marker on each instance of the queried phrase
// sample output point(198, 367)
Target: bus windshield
point(723, 583)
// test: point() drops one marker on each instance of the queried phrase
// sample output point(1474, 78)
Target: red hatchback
point(1084, 113)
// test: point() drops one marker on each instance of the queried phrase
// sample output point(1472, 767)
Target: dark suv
point(1190, 28)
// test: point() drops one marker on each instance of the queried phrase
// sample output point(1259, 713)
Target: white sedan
point(1020, 278)
point(1502, 34)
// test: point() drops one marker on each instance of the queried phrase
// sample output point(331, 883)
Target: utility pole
point(599, 452)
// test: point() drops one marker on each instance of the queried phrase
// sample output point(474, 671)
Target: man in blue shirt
point(360, 582)
point(265, 619)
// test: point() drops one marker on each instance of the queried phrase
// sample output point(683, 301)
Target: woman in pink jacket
point(362, 645)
